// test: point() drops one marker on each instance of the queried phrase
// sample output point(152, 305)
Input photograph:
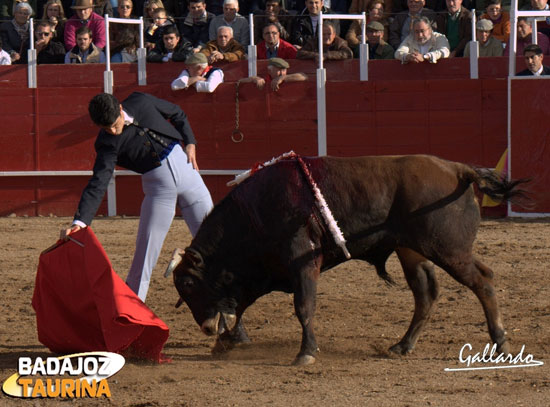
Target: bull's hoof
point(401, 349)
point(303, 360)
point(503, 348)
point(226, 342)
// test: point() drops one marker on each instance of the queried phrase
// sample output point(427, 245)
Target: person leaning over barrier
point(144, 134)
point(533, 59)
point(489, 46)
point(277, 69)
point(5, 58)
point(199, 74)
point(423, 44)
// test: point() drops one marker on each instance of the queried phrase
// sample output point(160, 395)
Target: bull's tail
point(499, 188)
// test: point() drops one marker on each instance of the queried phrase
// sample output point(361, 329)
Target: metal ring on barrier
point(238, 133)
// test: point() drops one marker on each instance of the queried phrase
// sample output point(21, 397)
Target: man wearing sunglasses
point(47, 51)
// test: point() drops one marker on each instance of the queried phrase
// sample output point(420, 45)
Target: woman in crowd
point(14, 33)
point(55, 15)
point(127, 45)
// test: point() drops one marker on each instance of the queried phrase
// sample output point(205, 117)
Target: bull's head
point(207, 292)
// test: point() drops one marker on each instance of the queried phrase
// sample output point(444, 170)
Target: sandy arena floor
point(358, 318)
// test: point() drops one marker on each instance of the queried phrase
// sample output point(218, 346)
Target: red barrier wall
point(402, 109)
point(530, 153)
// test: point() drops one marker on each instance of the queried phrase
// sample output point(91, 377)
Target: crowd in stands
point(412, 31)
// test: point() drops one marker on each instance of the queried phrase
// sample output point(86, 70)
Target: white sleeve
point(181, 81)
point(212, 83)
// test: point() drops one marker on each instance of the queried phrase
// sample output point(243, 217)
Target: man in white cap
point(84, 16)
point(199, 74)
point(489, 46)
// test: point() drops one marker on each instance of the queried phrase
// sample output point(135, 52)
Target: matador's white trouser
point(175, 181)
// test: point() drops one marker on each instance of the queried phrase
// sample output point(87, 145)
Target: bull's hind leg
point(420, 276)
point(479, 278)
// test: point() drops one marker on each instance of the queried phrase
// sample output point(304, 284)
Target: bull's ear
point(227, 277)
point(194, 258)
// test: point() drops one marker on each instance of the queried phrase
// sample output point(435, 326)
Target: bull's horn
point(180, 301)
point(230, 320)
point(176, 259)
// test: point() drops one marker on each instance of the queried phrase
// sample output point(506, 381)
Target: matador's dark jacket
point(139, 148)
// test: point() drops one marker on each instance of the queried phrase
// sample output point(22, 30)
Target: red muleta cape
point(82, 305)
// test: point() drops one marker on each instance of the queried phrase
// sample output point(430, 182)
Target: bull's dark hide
point(267, 235)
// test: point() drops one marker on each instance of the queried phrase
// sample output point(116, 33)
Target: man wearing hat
point(84, 16)
point(378, 48)
point(152, 137)
point(489, 46)
point(198, 73)
point(277, 69)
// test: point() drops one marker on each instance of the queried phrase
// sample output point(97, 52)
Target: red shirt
point(286, 50)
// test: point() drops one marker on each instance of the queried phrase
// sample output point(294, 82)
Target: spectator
point(7, 8)
point(423, 44)
point(277, 69)
point(199, 74)
point(196, 24)
point(84, 16)
point(126, 48)
point(456, 24)
point(5, 58)
point(149, 7)
point(273, 45)
point(154, 32)
point(85, 52)
point(224, 48)
point(102, 7)
point(274, 13)
point(171, 48)
point(400, 27)
point(500, 20)
point(231, 18)
point(305, 27)
point(47, 50)
point(55, 15)
point(125, 9)
point(525, 37)
point(334, 47)
point(489, 46)
point(375, 12)
point(15, 33)
point(378, 48)
point(360, 6)
point(533, 59)
point(543, 24)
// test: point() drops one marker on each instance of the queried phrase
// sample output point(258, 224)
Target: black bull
point(268, 235)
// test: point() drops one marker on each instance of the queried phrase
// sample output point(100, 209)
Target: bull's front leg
point(304, 305)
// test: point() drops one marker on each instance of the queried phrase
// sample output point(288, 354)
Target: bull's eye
point(188, 283)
